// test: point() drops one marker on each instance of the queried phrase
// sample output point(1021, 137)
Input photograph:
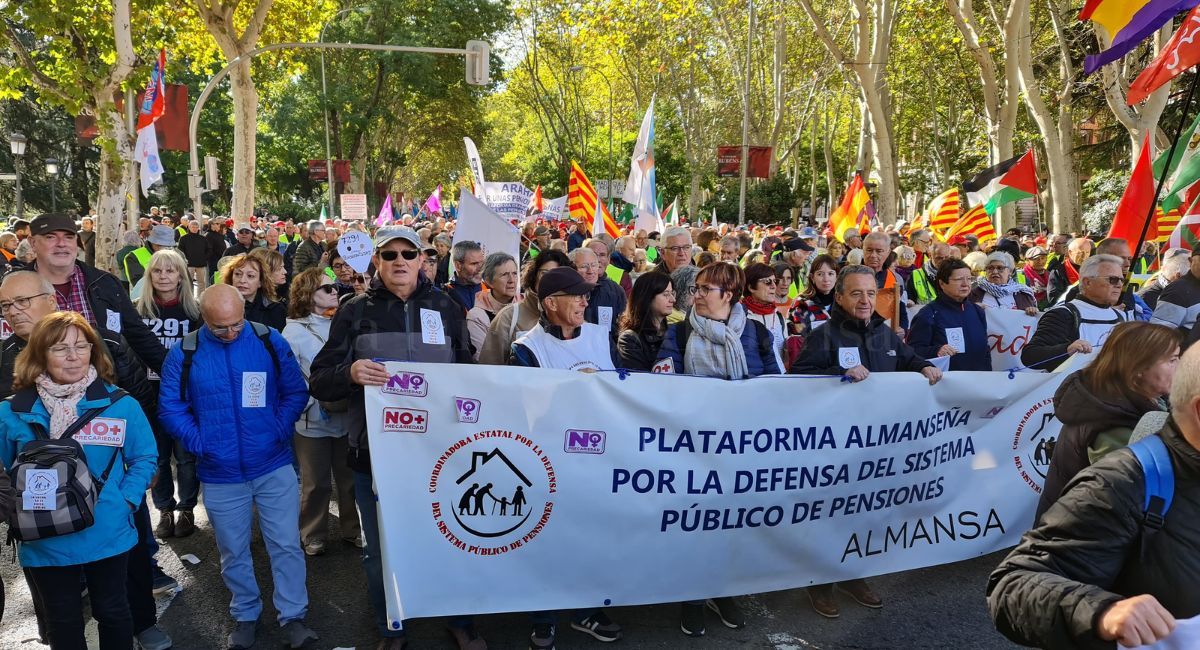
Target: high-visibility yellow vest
point(614, 273)
point(143, 258)
point(921, 284)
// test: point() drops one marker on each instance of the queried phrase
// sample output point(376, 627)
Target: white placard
point(956, 339)
point(356, 248)
point(354, 207)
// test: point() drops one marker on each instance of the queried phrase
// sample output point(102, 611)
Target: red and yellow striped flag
point(1166, 224)
point(975, 222)
point(943, 211)
point(582, 199)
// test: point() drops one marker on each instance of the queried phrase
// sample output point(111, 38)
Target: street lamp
point(579, 68)
point(325, 105)
point(52, 172)
point(18, 142)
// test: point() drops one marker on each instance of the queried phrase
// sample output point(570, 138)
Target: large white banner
point(1008, 332)
point(514, 489)
point(509, 200)
point(479, 223)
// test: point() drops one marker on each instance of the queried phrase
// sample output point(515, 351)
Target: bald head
point(223, 308)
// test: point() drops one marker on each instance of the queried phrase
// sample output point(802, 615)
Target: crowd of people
point(234, 358)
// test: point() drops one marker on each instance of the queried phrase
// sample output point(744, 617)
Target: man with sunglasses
point(400, 317)
point(1135, 308)
point(1082, 324)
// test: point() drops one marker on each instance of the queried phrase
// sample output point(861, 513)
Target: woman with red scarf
point(1037, 276)
point(761, 306)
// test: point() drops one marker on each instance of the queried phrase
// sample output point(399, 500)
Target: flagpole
point(1162, 177)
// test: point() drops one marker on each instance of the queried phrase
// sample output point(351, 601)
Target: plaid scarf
point(77, 300)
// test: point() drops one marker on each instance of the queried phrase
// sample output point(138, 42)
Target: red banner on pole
point(317, 171)
point(729, 162)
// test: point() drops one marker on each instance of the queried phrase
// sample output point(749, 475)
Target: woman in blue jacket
point(58, 378)
point(952, 326)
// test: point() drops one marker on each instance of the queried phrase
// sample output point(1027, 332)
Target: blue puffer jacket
point(928, 333)
point(233, 443)
point(113, 532)
point(756, 343)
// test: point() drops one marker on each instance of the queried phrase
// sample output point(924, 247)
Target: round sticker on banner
point(355, 247)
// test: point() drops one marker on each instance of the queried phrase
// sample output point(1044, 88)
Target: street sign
point(354, 207)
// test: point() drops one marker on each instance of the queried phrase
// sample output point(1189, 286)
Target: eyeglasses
point(339, 266)
point(21, 303)
point(770, 282)
point(594, 266)
point(327, 288)
point(63, 351)
point(995, 269)
point(231, 329)
point(678, 249)
point(359, 279)
point(704, 290)
point(408, 254)
point(1112, 280)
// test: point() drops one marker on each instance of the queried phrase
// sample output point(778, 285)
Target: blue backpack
point(1151, 452)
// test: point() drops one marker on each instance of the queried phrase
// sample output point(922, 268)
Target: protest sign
point(354, 207)
point(509, 200)
point(478, 223)
point(625, 490)
point(555, 209)
point(1008, 332)
point(356, 249)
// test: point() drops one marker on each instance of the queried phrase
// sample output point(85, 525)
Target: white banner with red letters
point(1008, 332)
point(516, 489)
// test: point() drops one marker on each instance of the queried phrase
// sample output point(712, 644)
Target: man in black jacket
point(1083, 323)
point(244, 243)
point(1092, 571)
point(390, 320)
point(1064, 273)
point(195, 248)
point(88, 290)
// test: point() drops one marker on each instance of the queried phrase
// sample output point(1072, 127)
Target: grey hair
point(459, 251)
point(1174, 267)
point(850, 232)
point(1091, 266)
point(912, 236)
point(905, 253)
point(730, 239)
point(1185, 387)
point(849, 270)
point(684, 277)
point(878, 236)
point(494, 262)
point(25, 248)
point(1001, 256)
point(442, 237)
point(676, 231)
point(43, 284)
point(608, 246)
point(574, 255)
point(314, 224)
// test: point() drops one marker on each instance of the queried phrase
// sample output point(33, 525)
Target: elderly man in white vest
point(563, 339)
point(1081, 324)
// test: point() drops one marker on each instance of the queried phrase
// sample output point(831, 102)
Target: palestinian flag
point(582, 201)
point(943, 211)
point(1011, 180)
point(975, 222)
point(670, 216)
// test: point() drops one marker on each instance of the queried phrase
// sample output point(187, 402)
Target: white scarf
point(714, 349)
point(61, 400)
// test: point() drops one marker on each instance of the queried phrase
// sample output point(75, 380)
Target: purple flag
point(385, 212)
point(434, 202)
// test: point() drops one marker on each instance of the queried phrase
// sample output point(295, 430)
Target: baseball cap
point(808, 232)
point(797, 244)
point(563, 279)
point(957, 240)
point(385, 235)
point(1035, 252)
point(44, 224)
point(244, 229)
point(541, 230)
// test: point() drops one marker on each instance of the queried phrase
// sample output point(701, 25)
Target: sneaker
point(242, 636)
point(599, 627)
point(542, 638)
point(298, 635)
point(166, 525)
point(393, 643)
point(728, 611)
point(314, 548)
point(466, 637)
point(862, 594)
point(691, 619)
point(153, 638)
point(823, 602)
point(163, 583)
point(185, 523)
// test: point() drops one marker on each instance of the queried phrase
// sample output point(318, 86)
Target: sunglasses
point(1113, 280)
point(327, 288)
point(390, 256)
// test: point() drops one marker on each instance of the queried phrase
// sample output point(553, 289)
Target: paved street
point(941, 607)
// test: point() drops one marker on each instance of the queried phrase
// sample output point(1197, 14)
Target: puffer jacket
point(929, 326)
point(113, 531)
point(307, 336)
point(1088, 551)
point(233, 443)
point(379, 325)
point(879, 348)
point(1084, 416)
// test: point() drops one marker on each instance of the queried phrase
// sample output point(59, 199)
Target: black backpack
point(192, 341)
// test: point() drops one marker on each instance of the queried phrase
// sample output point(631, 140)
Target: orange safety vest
point(886, 301)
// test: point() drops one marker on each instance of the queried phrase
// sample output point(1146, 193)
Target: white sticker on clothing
point(605, 317)
point(113, 321)
point(664, 366)
point(254, 390)
point(848, 358)
point(432, 332)
point(109, 432)
point(955, 338)
point(40, 488)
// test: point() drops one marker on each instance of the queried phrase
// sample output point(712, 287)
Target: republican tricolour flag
point(1012, 180)
point(153, 107)
point(1127, 23)
point(640, 190)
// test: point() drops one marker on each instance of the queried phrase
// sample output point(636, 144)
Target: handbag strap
point(77, 425)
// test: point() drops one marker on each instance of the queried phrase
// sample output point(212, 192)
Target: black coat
point(639, 350)
point(1084, 554)
point(195, 249)
point(1056, 282)
point(273, 314)
point(216, 248)
point(879, 348)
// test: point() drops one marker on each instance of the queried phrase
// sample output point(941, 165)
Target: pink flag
point(385, 212)
point(434, 202)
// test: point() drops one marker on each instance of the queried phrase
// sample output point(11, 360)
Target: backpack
point(1159, 476)
point(44, 463)
point(192, 341)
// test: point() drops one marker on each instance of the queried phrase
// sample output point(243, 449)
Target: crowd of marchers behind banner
point(234, 358)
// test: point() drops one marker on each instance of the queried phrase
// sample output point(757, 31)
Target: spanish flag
point(855, 210)
point(581, 201)
point(975, 222)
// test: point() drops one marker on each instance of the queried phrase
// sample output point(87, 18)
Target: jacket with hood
point(1086, 417)
point(1090, 550)
point(509, 324)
